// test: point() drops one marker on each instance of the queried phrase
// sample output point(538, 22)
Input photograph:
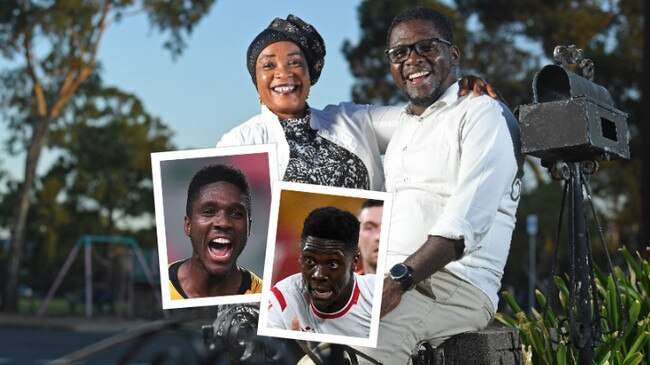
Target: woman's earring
point(259, 100)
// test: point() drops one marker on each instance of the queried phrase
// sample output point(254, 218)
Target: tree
point(116, 184)
point(36, 92)
point(102, 176)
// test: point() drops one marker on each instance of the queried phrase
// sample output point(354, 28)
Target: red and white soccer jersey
point(290, 299)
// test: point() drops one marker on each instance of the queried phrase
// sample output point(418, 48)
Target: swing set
point(87, 242)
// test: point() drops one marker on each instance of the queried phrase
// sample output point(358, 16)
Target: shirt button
point(404, 148)
point(406, 179)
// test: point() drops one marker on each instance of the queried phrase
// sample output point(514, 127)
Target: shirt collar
point(267, 113)
point(449, 97)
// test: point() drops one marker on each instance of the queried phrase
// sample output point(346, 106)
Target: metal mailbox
point(572, 119)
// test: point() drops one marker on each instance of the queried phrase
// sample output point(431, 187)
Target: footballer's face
point(328, 270)
point(218, 227)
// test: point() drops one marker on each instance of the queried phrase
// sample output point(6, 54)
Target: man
point(370, 220)
point(452, 166)
point(218, 223)
point(327, 296)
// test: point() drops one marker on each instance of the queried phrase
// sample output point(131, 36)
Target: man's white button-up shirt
point(453, 172)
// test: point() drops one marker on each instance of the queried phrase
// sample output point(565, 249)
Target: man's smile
point(220, 249)
point(418, 76)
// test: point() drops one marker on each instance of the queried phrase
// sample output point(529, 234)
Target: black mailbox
point(572, 119)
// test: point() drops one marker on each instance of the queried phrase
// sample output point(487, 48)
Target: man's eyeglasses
point(425, 47)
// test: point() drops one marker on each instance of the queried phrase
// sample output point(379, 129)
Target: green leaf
point(611, 302)
point(551, 319)
point(640, 340)
point(633, 313)
point(631, 262)
point(511, 301)
point(633, 359)
point(507, 320)
point(604, 360)
point(563, 292)
point(561, 355)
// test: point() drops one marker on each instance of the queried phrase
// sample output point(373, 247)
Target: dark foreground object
point(493, 345)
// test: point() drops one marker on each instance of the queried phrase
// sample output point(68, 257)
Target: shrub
point(625, 332)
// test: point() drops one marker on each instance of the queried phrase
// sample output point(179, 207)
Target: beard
point(426, 100)
point(423, 101)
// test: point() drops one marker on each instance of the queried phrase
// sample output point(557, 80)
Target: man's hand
point(391, 296)
point(478, 86)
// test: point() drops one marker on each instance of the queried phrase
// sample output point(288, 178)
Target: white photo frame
point(271, 265)
point(172, 172)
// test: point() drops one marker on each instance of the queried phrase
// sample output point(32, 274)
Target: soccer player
point(327, 296)
point(217, 221)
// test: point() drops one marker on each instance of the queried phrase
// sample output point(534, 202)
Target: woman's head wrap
point(295, 30)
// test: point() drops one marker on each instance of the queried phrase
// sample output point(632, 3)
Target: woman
point(337, 146)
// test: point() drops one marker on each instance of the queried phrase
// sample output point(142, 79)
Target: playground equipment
point(87, 241)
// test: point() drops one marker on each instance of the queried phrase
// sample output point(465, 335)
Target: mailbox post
point(572, 125)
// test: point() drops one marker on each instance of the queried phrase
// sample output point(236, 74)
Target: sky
point(207, 90)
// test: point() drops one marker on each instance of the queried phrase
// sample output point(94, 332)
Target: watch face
point(398, 271)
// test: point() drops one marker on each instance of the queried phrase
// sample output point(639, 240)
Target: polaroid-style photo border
point(156, 159)
point(280, 186)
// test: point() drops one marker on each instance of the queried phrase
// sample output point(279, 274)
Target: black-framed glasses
point(425, 47)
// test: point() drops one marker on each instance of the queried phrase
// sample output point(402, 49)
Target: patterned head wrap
point(295, 30)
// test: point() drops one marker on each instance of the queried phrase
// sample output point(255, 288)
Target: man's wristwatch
point(402, 274)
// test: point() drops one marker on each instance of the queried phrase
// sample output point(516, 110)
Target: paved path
point(31, 340)
point(73, 323)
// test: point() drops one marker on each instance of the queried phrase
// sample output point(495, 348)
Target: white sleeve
point(233, 138)
point(385, 120)
point(381, 120)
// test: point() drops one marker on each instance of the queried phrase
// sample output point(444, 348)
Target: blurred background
point(88, 89)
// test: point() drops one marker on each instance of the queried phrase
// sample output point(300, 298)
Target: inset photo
point(212, 220)
point(324, 247)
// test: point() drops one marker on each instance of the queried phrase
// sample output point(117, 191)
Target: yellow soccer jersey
point(250, 284)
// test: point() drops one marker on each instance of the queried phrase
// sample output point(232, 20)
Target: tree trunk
point(645, 133)
point(19, 221)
